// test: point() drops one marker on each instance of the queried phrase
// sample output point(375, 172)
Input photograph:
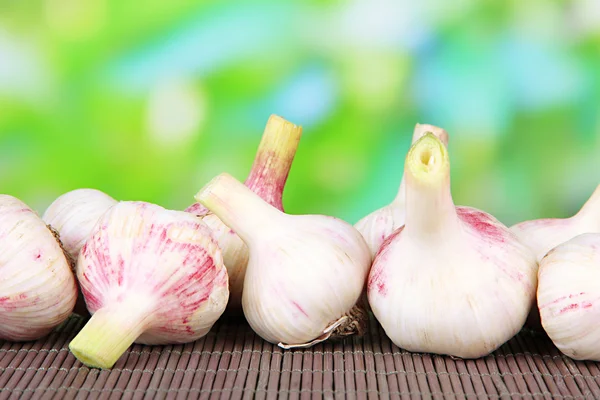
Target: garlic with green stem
point(542, 235)
point(453, 280)
point(377, 226)
point(305, 272)
point(37, 287)
point(150, 276)
point(267, 179)
point(569, 296)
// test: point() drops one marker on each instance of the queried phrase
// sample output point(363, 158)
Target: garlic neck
point(273, 160)
point(430, 211)
point(589, 214)
point(242, 210)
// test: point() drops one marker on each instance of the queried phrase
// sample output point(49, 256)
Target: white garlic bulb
point(377, 226)
point(150, 276)
point(453, 280)
point(74, 215)
point(267, 179)
point(305, 272)
point(542, 235)
point(37, 287)
point(568, 296)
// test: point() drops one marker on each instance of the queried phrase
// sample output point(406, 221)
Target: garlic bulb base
point(107, 335)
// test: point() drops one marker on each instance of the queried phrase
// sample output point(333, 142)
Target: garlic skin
point(542, 235)
point(453, 280)
point(74, 215)
point(569, 296)
point(267, 179)
point(37, 287)
point(305, 272)
point(150, 276)
point(380, 224)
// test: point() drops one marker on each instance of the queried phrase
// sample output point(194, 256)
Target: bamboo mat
point(231, 362)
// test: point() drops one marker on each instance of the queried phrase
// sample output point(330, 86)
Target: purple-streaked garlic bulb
point(569, 296)
point(148, 275)
point(305, 273)
point(37, 287)
point(73, 215)
point(267, 179)
point(377, 226)
point(452, 280)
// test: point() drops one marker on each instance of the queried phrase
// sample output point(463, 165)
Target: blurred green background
point(148, 100)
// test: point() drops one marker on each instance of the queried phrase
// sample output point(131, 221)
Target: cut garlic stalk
point(569, 296)
point(305, 272)
point(377, 226)
point(37, 287)
point(453, 280)
point(267, 179)
point(150, 276)
point(542, 235)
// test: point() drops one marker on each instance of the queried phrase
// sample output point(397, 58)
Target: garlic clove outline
point(267, 179)
point(150, 276)
point(37, 290)
point(569, 296)
point(305, 273)
point(452, 280)
point(380, 224)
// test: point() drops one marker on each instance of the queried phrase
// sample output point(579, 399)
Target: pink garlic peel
point(267, 179)
point(38, 291)
point(542, 235)
point(150, 276)
point(305, 272)
point(452, 280)
point(73, 215)
point(380, 224)
point(569, 296)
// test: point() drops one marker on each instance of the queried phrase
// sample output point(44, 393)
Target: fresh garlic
point(377, 226)
point(305, 272)
point(150, 276)
point(73, 215)
point(542, 235)
point(569, 296)
point(453, 280)
point(267, 179)
point(37, 287)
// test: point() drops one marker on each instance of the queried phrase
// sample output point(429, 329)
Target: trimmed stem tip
point(274, 159)
point(429, 205)
point(237, 206)
point(108, 334)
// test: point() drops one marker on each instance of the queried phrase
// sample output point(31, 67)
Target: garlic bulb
point(305, 272)
point(453, 280)
point(568, 296)
point(150, 276)
point(542, 235)
point(74, 215)
point(37, 287)
point(267, 179)
point(377, 226)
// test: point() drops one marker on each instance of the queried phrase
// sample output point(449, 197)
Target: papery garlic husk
point(150, 276)
point(73, 215)
point(267, 179)
point(569, 296)
point(305, 272)
point(37, 287)
point(453, 280)
point(380, 224)
point(542, 235)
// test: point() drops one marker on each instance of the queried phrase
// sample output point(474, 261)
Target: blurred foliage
point(148, 100)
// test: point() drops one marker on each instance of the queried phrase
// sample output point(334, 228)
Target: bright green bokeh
point(148, 100)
